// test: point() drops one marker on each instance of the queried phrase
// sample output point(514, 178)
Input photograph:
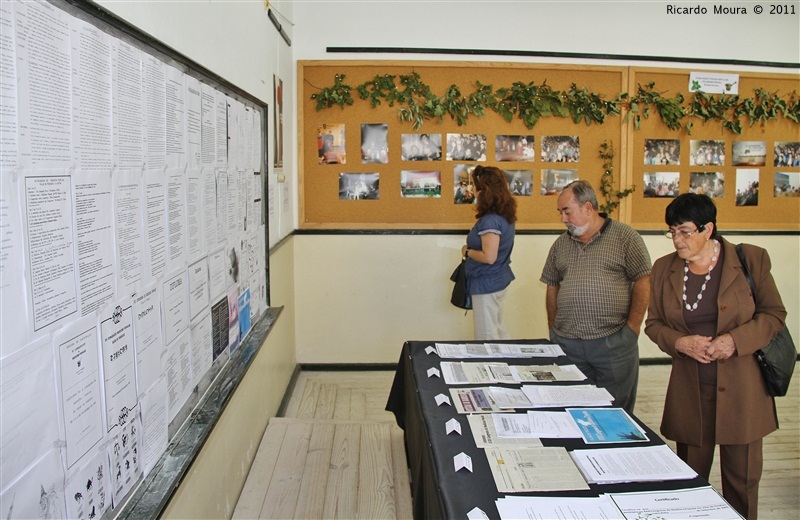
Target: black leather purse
point(460, 297)
point(778, 358)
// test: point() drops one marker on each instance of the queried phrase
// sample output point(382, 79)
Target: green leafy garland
point(529, 102)
point(612, 196)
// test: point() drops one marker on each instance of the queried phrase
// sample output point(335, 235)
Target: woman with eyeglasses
point(703, 315)
point(488, 251)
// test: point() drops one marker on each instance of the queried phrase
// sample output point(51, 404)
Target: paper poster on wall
point(202, 355)
point(128, 230)
point(154, 88)
point(49, 249)
point(210, 224)
point(193, 122)
point(154, 438)
point(176, 219)
point(124, 453)
point(91, 97)
point(88, 488)
point(198, 287)
point(8, 89)
point(220, 334)
point(175, 114)
point(244, 313)
point(714, 83)
point(221, 117)
point(149, 336)
point(119, 368)
point(178, 369)
point(94, 240)
point(43, 85)
point(233, 317)
point(13, 294)
point(195, 220)
point(79, 387)
point(175, 305)
point(208, 126)
point(155, 224)
point(127, 105)
point(29, 420)
point(39, 492)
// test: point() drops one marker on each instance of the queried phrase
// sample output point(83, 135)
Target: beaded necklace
point(693, 306)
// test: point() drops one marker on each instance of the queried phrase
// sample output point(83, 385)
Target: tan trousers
point(487, 315)
point(740, 464)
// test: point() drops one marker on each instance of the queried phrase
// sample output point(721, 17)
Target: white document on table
point(546, 373)
point(676, 504)
point(496, 350)
point(567, 508)
point(474, 400)
point(485, 435)
point(512, 425)
point(464, 373)
point(543, 396)
point(510, 397)
point(553, 425)
point(517, 470)
point(638, 464)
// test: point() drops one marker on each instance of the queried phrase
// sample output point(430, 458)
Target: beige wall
point(359, 297)
point(212, 485)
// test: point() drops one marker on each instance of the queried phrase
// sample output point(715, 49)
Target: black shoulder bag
point(778, 358)
point(461, 297)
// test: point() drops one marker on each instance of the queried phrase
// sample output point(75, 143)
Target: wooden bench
point(316, 468)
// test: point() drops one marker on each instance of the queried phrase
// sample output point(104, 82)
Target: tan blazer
point(745, 411)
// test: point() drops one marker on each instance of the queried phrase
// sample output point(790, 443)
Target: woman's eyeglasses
point(679, 233)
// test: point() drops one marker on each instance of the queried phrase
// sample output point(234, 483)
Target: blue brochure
point(602, 425)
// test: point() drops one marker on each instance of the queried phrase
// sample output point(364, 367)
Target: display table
point(438, 491)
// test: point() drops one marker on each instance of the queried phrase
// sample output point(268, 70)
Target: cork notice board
point(325, 176)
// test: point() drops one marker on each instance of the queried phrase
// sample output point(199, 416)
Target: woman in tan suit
point(702, 314)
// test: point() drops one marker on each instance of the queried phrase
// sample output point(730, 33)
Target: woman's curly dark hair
point(494, 197)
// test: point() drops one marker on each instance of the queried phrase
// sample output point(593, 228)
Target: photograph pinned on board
point(749, 153)
point(418, 184)
point(787, 154)
point(747, 186)
point(661, 184)
point(514, 148)
point(662, 152)
point(707, 183)
point(706, 153)
point(359, 186)
point(331, 144)
point(374, 143)
point(421, 147)
point(466, 147)
point(561, 148)
point(463, 187)
point(787, 184)
point(520, 182)
point(555, 180)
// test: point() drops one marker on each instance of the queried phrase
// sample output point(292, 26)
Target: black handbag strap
point(740, 253)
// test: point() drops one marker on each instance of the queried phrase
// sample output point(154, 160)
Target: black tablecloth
point(437, 490)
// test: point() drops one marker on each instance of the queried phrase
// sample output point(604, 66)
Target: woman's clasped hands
point(706, 349)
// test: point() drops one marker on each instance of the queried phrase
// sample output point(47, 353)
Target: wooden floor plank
point(402, 487)
point(342, 406)
point(358, 405)
point(326, 401)
point(308, 403)
point(342, 490)
point(376, 473)
point(284, 488)
point(311, 501)
point(251, 500)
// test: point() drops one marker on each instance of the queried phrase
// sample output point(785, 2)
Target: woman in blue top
point(488, 251)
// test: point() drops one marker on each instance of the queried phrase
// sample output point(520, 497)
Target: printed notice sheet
point(496, 350)
point(563, 396)
point(88, 489)
point(486, 436)
point(601, 425)
point(460, 373)
point(571, 508)
point(638, 464)
point(474, 400)
point(546, 373)
point(534, 469)
point(149, 337)
point(119, 366)
point(677, 504)
point(535, 424)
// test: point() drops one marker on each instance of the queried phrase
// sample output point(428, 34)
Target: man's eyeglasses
point(681, 233)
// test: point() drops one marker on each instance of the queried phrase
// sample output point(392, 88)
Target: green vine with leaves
point(529, 102)
point(610, 193)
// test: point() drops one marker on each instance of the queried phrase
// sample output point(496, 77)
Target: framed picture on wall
point(359, 186)
point(514, 148)
point(561, 148)
point(747, 186)
point(707, 183)
point(331, 144)
point(661, 184)
point(520, 182)
point(421, 147)
point(374, 143)
point(787, 153)
point(554, 180)
point(749, 153)
point(466, 147)
point(787, 184)
point(706, 153)
point(463, 187)
point(662, 152)
point(420, 184)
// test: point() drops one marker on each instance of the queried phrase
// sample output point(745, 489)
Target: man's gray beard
point(577, 231)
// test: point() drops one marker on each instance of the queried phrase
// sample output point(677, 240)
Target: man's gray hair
point(583, 193)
